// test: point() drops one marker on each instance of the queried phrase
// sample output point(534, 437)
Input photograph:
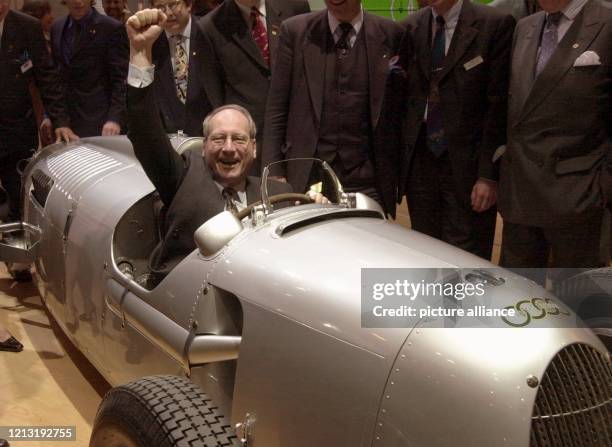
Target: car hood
point(313, 274)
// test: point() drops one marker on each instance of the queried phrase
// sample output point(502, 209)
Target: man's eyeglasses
point(170, 6)
point(238, 141)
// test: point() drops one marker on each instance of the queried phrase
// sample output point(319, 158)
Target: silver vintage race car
point(263, 335)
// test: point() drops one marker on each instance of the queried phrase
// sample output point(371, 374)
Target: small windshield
point(312, 174)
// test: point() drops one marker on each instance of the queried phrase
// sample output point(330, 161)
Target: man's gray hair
point(245, 112)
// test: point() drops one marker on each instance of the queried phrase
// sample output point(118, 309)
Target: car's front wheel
point(160, 411)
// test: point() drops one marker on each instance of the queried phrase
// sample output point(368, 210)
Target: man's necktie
point(549, 40)
point(436, 140)
point(229, 194)
point(181, 68)
point(344, 41)
point(260, 35)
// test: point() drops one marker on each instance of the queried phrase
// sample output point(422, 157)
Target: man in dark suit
point(91, 52)
point(555, 175)
point(455, 120)
point(192, 188)
point(24, 61)
point(238, 60)
point(178, 54)
point(326, 97)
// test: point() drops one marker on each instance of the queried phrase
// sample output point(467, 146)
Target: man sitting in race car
point(192, 188)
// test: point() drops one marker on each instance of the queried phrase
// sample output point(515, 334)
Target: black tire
point(160, 411)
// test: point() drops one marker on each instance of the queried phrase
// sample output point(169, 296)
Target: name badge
point(26, 65)
point(473, 63)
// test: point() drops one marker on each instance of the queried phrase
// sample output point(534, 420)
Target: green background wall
point(396, 9)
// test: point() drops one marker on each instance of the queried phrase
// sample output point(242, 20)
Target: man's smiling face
point(229, 150)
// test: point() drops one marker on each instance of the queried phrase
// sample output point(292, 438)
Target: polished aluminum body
point(266, 318)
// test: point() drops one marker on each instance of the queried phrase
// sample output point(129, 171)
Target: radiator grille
point(41, 186)
point(74, 167)
point(574, 402)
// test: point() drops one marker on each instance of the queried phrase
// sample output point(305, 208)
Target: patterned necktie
point(549, 40)
point(181, 68)
point(260, 35)
point(344, 41)
point(436, 140)
point(229, 194)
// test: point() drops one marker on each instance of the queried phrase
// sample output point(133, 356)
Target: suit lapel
point(274, 17)
point(192, 76)
point(163, 65)
point(60, 27)
point(314, 54)
point(422, 42)
point(585, 28)
point(253, 189)
point(88, 33)
point(241, 34)
point(463, 36)
point(529, 51)
point(8, 33)
point(378, 67)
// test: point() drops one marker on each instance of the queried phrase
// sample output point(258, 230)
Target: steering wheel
point(288, 196)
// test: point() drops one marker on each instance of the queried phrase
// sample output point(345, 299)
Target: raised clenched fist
point(144, 27)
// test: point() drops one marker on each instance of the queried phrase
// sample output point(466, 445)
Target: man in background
point(178, 54)
point(117, 9)
point(326, 99)
point(556, 174)
point(24, 62)
point(92, 54)
point(455, 120)
point(242, 40)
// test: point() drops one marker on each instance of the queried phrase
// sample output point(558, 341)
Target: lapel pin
point(274, 30)
point(575, 45)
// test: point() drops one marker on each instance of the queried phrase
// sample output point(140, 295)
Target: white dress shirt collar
point(246, 12)
point(451, 17)
point(334, 23)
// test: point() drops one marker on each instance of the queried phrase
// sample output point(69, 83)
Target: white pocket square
point(587, 58)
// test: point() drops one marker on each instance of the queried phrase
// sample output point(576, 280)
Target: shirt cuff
point(140, 77)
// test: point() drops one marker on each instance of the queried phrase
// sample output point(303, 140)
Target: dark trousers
point(437, 209)
point(360, 179)
point(572, 248)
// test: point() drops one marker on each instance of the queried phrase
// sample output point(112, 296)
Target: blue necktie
point(549, 40)
point(436, 140)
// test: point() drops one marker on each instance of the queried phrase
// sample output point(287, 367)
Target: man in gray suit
point(555, 174)
point(241, 38)
point(326, 99)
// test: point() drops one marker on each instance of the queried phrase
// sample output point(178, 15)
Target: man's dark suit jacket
point(184, 183)
point(557, 167)
point(234, 69)
point(473, 94)
point(23, 59)
point(176, 116)
point(94, 80)
point(293, 111)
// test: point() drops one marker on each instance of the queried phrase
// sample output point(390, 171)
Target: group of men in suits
point(524, 121)
point(24, 62)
